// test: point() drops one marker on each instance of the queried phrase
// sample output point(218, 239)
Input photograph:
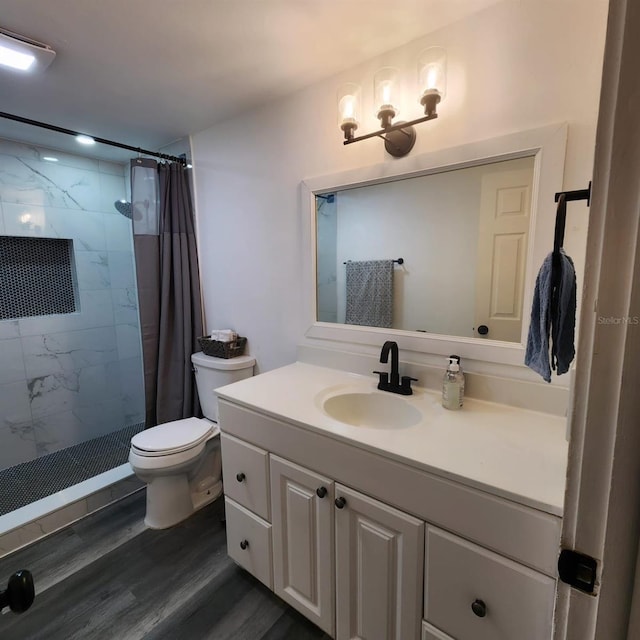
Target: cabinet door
point(379, 572)
point(302, 518)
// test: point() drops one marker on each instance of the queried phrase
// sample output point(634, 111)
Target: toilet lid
point(172, 437)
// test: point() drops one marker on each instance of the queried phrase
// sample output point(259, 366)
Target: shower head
point(124, 208)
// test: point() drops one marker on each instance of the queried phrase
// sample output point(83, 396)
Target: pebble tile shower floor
point(30, 481)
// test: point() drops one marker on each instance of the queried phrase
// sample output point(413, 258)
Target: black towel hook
point(561, 221)
point(562, 197)
point(578, 194)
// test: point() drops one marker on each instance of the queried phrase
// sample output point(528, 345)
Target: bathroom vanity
point(386, 517)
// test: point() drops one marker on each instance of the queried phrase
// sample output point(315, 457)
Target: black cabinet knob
point(483, 329)
point(340, 502)
point(240, 477)
point(321, 492)
point(479, 608)
point(244, 544)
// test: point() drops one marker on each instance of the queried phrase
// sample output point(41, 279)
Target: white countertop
point(513, 453)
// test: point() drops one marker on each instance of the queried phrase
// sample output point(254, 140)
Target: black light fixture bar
point(111, 143)
point(395, 127)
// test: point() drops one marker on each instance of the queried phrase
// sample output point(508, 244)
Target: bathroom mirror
point(460, 239)
point(472, 225)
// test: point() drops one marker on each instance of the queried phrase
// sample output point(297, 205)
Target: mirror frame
point(546, 144)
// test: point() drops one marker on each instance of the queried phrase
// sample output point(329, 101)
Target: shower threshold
point(42, 495)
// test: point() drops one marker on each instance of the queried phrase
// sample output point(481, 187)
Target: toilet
point(180, 460)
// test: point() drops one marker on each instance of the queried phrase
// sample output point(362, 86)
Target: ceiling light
point(50, 158)
point(24, 54)
point(82, 139)
point(15, 59)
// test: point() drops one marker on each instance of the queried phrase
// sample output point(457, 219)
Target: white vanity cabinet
point(371, 549)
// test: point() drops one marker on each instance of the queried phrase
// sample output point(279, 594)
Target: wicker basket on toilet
point(220, 349)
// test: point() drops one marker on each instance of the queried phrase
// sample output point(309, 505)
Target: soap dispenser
point(453, 385)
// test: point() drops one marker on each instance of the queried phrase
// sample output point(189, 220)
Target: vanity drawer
point(431, 633)
point(245, 473)
point(517, 602)
point(249, 541)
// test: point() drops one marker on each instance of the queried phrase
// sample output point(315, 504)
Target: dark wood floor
point(109, 577)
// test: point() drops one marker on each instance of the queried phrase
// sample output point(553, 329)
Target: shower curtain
point(168, 287)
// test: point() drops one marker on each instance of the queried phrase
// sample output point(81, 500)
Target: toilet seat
point(172, 437)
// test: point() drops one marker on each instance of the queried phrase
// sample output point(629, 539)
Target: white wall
point(326, 262)
point(518, 65)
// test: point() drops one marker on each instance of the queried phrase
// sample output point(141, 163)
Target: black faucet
point(391, 381)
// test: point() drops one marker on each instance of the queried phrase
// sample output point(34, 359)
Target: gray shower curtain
point(169, 295)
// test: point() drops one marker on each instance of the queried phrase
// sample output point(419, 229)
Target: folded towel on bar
point(369, 293)
point(553, 318)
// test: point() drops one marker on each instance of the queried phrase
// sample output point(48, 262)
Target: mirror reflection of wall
point(463, 235)
point(326, 233)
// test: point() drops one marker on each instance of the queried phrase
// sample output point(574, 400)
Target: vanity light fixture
point(398, 138)
point(24, 54)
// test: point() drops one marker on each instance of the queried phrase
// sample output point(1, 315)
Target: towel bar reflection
point(398, 260)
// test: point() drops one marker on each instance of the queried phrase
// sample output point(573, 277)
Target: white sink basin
point(375, 410)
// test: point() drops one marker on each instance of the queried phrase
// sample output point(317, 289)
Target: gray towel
point(553, 316)
point(369, 293)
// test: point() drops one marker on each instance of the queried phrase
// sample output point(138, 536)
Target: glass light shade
point(348, 109)
point(386, 92)
point(432, 72)
point(349, 104)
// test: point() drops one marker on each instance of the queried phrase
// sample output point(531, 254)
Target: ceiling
point(148, 72)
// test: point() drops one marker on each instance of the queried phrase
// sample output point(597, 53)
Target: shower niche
point(37, 277)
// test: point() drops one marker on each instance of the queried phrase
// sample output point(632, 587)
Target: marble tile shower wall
point(68, 378)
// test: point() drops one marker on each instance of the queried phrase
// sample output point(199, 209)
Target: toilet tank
point(212, 373)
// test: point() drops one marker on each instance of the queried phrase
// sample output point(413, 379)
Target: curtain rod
point(111, 143)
